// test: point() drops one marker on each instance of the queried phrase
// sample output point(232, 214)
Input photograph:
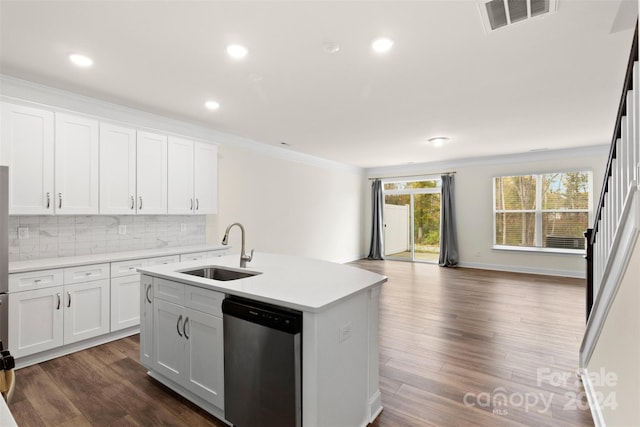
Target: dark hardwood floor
point(458, 347)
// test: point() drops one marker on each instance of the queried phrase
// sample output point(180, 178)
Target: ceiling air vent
point(498, 14)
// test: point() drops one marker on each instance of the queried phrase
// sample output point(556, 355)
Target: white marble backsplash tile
point(60, 236)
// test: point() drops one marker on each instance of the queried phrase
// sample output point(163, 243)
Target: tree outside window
point(542, 210)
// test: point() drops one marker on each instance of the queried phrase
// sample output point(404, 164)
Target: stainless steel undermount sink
point(220, 273)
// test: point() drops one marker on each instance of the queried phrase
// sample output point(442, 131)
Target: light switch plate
point(122, 229)
point(345, 332)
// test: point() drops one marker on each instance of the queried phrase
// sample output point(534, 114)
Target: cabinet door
point(117, 170)
point(35, 319)
point(206, 178)
point(168, 339)
point(151, 167)
point(180, 176)
point(204, 370)
point(146, 321)
point(125, 302)
point(27, 148)
point(86, 310)
point(76, 165)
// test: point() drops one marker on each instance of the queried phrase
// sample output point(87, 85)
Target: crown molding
point(429, 168)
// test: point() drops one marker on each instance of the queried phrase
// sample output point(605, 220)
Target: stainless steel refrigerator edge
point(4, 254)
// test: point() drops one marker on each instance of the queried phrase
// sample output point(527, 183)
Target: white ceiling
point(548, 83)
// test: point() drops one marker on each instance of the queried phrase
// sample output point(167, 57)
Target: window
point(542, 211)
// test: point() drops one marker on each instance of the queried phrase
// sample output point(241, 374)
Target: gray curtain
point(377, 220)
point(448, 234)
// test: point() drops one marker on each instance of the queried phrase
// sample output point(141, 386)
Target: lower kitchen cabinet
point(146, 321)
point(188, 344)
point(125, 302)
point(47, 318)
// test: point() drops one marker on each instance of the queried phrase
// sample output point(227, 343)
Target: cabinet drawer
point(168, 291)
point(126, 268)
point(86, 273)
point(204, 300)
point(193, 256)
point(163, 260)
point(35, 280)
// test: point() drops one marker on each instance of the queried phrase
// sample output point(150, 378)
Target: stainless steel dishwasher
point(262, 364)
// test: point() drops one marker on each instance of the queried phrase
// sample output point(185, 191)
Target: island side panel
point(336, 363)
point(374, 403)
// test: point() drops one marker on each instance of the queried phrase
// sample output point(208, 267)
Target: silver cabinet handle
point(58, 307)
point(59, 200)
point(48, 200)
point(191, 206)
point(133, 203)
point(197, 203)
point(184, 328)
point(69, 303)
point(178, 325)
point(147, 293)
point(140, 203)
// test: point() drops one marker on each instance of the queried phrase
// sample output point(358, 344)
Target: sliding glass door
point(412, 220)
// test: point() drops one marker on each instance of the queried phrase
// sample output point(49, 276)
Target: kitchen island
point(181, 340)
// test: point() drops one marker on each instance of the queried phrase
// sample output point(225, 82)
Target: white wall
point(614, 365)
point(290, 207)
point(474, 198)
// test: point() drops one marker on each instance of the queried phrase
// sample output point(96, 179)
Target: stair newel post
point(589, 257)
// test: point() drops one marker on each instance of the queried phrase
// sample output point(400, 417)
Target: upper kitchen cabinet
point(205, 182)
point(193, 177)
point(27, 148)
point(180, 182)
point(76, 165)
point(117, 170)
point(151, 161)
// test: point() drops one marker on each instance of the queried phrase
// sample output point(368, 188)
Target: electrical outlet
point(122, 230)
point(345, 332)
point(183, 227)
point(23, 233)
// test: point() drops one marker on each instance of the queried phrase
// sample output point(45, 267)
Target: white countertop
point(49, 263)
point(300, 283)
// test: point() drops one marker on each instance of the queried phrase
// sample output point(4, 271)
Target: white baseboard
point(525, 269)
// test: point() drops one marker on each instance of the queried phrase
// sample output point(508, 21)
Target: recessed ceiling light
point(438, 141)
point(237, 51)
point(212, 105)
point(81, 60)
point(382, 45)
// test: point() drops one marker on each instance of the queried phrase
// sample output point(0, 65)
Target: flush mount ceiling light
point(237, 51)
point(81, 60)
point(438, 141)
point(382, 45)
point(330, 47)
point(212, 105)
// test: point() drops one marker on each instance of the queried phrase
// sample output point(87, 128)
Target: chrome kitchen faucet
point(244, 258)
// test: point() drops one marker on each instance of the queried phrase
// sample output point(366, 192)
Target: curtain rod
point(412, 176)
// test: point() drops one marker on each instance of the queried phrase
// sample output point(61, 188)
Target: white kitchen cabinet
point(26, 146)
point(205, 167)
point(146, 321)
point(117, 170)
point(76, 165)
point(188, 342)
point(125, 290)
point(151, 172)
point(193, 177)
point(35, 320)
point(125, 302)
point(181, 199)
point(44, 319)
point(86, 312)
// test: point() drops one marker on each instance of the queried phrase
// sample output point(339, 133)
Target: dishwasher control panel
point(272, 316)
